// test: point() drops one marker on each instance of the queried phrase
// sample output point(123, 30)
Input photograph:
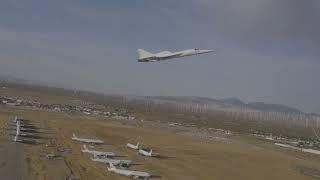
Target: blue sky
point(266, 50)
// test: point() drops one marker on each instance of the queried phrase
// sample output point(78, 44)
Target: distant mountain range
point(17, 80)
point(180, 100)
point(12, 79)
point(218, 103)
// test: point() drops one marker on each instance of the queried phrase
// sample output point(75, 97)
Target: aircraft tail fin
point(151, 152)
point(138, 145)
point(144, 54)
point(74, 135)
point(85, 147)
point(111, 165)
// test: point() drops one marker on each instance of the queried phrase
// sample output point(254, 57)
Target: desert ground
point(181, 156)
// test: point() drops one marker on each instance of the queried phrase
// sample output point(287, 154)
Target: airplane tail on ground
point(138, 145)
point(74, 135)
point(144, 54)
point(111, 166)
point(151, 152)
point(85, 147)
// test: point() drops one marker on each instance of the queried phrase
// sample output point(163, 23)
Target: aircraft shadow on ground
point(119, 156)
point(32, 126)
point(155, 177)
point(164, 157)
point(136, 164)
point(31, 136)
point(25, 120)
point(23, 130)
point(36, 131)
point(33, 131)
point(35, 137)
point(30, 142)
point(28, 127)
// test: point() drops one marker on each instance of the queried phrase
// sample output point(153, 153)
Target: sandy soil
point(182, 157)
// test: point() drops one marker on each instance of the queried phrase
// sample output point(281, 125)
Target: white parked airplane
point(116, 162)
point(85, 140)
point(15, 119)
point(146, 153)
point(16, 139)
point(129, 173)
point(145, 56)
point(136, 147)
point(18, 128)
point(97, 153)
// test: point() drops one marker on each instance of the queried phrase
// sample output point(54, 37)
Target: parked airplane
point(145, 56)
point(129, 173)
point(115, 162)
point(146, 153)
point(18, 128)
point(16, 139)
point(97, 153)
point(15, 119)
point(136, 147)
point(84, 140)
point(18, 132)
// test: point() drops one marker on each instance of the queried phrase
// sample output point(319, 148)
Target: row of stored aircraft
point(107, 158)
point(19, 129)
point(18, 126)
point(23, 131)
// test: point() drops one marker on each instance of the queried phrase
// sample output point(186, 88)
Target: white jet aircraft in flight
point(136, 147)
point(84, 140)
point(97, 153)
point(129, 173)
point(145, 56)
point(146, 153)
point(116, 162)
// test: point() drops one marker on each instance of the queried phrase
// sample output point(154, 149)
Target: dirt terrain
point(181, 156)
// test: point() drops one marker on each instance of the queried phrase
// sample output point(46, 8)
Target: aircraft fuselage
point(145, 56)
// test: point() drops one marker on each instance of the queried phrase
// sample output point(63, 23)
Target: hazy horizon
point(266, 50)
